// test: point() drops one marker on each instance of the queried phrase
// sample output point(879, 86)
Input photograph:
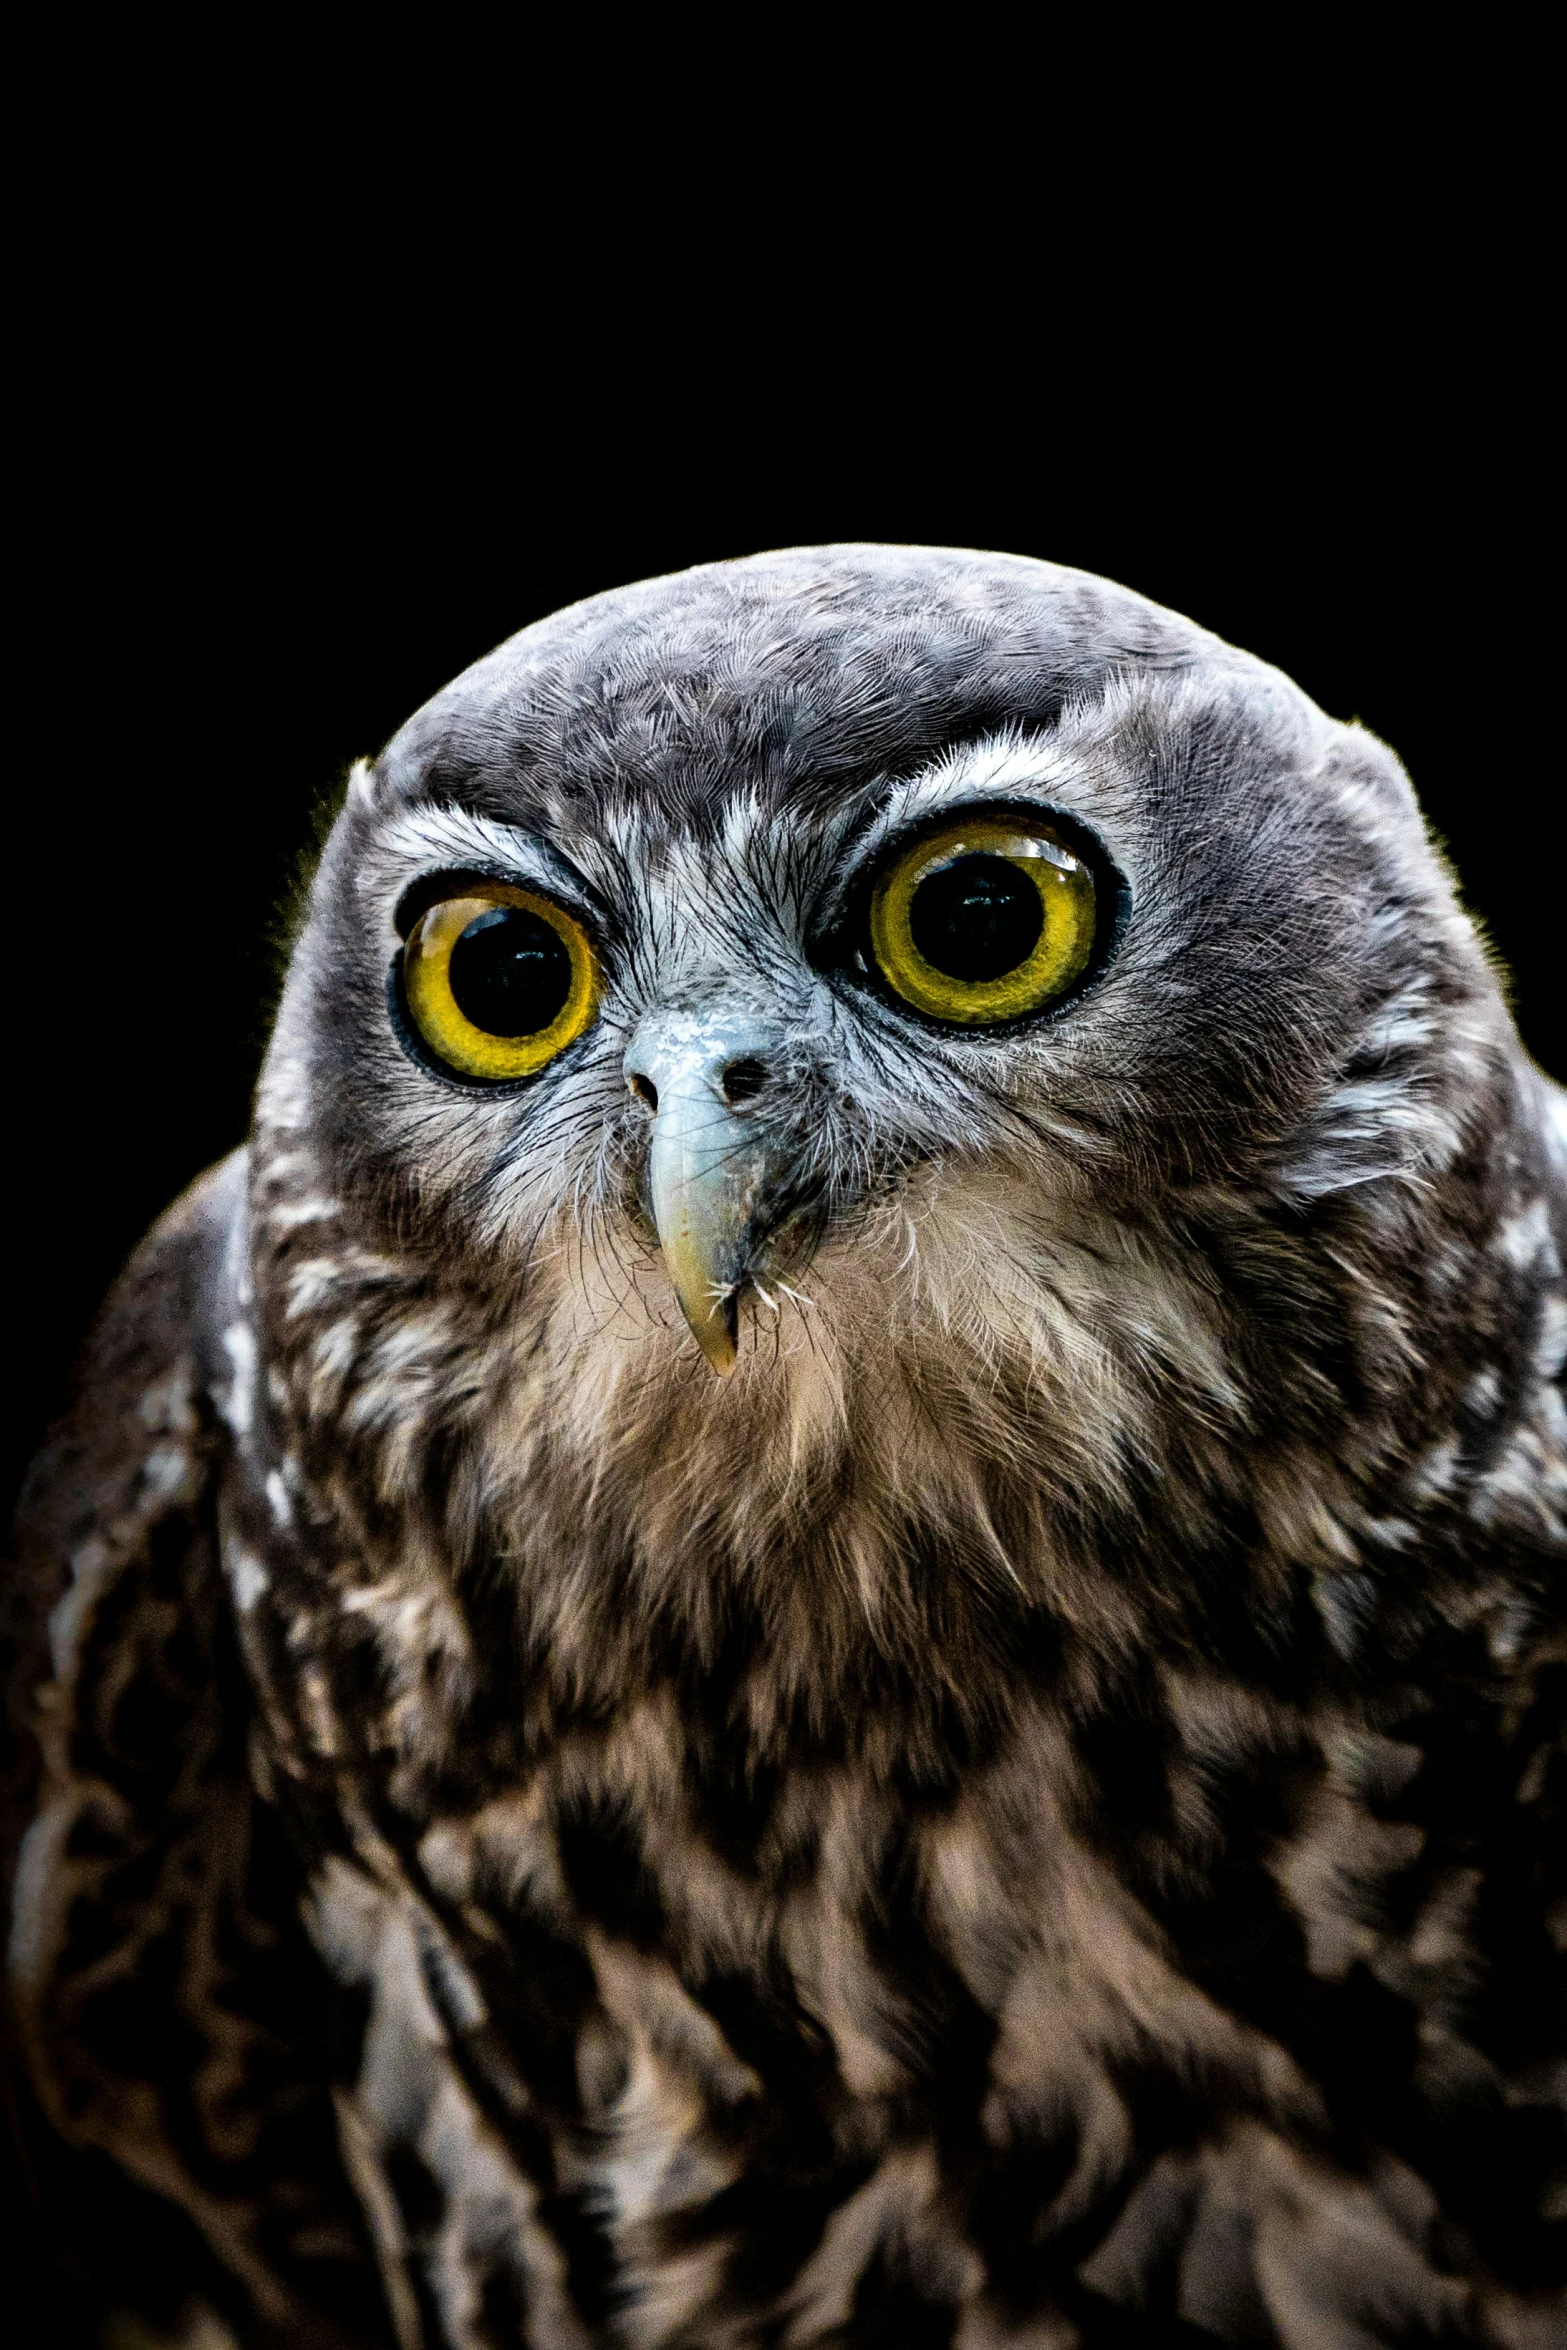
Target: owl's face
point(883, 1066)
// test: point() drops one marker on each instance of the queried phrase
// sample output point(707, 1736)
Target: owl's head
point(865, 1022)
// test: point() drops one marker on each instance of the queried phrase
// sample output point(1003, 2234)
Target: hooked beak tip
point(716, 1334)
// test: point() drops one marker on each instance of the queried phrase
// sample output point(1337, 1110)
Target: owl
point(825, 1605)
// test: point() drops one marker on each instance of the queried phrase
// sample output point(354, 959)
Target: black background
point(254, 555)
point(320, 386)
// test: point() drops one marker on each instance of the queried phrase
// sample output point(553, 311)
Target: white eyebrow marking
point(1006, 766)
point(454, 836)
point(423, 840)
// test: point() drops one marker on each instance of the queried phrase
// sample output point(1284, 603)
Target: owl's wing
point(174, 2033)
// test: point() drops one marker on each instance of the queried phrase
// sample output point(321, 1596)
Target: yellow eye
point(499, 980)
point(986, 920)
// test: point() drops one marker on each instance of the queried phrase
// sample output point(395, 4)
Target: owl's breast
point(735, 2051)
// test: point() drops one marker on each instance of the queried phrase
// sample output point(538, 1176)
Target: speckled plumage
point(1031, 1814)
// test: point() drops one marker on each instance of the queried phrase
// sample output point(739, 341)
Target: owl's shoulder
point(154, 1355)
point(127, 1471)
point(118, 1498)
point(139, 1830)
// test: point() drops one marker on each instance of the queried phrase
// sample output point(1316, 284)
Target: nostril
point(645, 1091)
point(743, 1079)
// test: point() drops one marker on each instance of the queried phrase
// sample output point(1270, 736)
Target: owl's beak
point(707, 1164)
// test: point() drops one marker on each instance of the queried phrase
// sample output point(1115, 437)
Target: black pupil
point(976, 919)
point(510, 972)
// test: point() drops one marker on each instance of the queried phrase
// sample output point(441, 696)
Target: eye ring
point(527, 980)
point(985, 920)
